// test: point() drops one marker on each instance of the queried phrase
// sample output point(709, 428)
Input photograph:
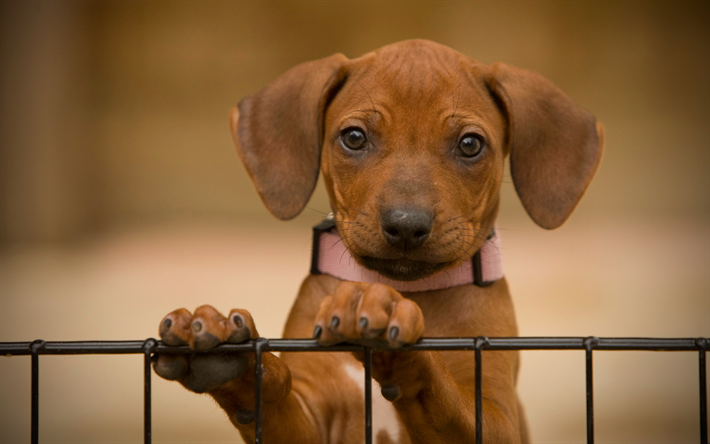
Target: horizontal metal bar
point(311, 345)
point(75, 348)
point(651, 344)
point(572, 343)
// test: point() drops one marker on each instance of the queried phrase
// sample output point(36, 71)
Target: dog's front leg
point(435, 396)
point(432, 392)
point(229, 378)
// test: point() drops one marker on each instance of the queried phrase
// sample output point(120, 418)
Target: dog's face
point(411, 140)
point(420, 139)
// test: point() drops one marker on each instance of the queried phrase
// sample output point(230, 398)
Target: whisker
point(317, 211)
point(336, 243)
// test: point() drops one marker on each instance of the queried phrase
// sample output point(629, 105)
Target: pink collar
point(330, 257)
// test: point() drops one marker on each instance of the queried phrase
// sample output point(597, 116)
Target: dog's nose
point(406, 228)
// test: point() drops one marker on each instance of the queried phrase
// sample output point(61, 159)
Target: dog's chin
point(401, 269)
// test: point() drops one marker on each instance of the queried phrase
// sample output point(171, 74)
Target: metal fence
point(477, 345)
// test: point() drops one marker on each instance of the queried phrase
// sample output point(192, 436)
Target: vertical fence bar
point(35, 348)
point(702, 347)
point(35, 398)
point(368, 395)
point(479, 343)
point(589, 344)
point(260, 345)
point(149, 347)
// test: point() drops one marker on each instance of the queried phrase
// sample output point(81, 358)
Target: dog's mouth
point(402, 269)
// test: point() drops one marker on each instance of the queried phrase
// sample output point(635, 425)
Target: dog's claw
point(363, 322)
point(175, 327)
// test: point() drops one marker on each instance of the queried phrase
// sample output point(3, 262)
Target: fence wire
point(478, 345)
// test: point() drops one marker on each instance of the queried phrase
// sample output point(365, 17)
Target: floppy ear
point(277, 133)
point(555, 145)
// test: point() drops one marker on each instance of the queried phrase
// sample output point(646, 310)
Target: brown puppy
point(411, 140)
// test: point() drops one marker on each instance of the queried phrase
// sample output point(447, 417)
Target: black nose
point(406, 228)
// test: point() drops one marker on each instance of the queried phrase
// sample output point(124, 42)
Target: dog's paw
point(371, 314)
point(204, 330)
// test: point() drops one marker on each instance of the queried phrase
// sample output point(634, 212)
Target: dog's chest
point(386, 425)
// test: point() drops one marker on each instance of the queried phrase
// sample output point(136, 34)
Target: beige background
point(121, 198)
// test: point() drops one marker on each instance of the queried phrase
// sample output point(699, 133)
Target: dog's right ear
point(556, 146)
point(278, 132)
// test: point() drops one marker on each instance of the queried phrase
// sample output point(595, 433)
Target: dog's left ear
point(555, 146)
point(277, 133)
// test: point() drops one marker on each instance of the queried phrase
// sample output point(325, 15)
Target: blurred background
point(122, 198)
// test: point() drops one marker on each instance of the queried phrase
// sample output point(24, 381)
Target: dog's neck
point(330, 256)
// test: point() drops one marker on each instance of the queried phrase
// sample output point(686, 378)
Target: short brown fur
point(414, 101)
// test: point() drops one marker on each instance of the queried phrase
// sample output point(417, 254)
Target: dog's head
point(412, 140)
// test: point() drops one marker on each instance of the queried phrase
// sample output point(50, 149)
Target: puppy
point(411, 140)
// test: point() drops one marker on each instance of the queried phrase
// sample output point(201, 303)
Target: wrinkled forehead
point(414, 82)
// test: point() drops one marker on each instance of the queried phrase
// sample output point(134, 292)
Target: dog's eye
point(471, 145)
point(353, 138)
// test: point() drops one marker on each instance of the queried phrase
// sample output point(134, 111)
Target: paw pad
point(245, 416)
point(390, 391)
